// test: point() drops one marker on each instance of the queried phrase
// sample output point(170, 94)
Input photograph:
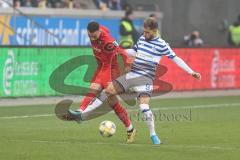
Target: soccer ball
point(107, 128)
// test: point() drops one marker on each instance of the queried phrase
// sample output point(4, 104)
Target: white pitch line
point(199, 106)
point(28, 116)
point(153, 109)
point(132, 145)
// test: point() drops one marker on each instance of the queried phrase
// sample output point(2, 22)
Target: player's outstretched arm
point(186, 68)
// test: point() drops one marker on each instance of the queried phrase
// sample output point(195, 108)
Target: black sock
point(130, 130)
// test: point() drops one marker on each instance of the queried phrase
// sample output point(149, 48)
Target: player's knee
point(95, 88)
point(144, 98)
point(110, 90)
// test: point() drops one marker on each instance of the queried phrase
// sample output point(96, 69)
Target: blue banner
point(52, 31)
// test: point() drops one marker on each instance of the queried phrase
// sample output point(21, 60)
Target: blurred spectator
point(65, 3)
point(83, 4)
point(234, 33)
point(119, 5)
point(79, 4)
point(5, 3)
point(128, 33)
point(56, 3)
point(111, 4)
point(115, 4)
point(17, 3)
point(70, 4)
point(51, 3)
point(42, 3)
point(101, 4)
point(126, 6)
point(193, 39)
point(29, 3)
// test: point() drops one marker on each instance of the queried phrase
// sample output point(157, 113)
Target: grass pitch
point(190, 129)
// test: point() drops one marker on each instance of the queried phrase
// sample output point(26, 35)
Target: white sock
point(90, 108)
point(130, 128)
point(148, 118)
point(97, 102)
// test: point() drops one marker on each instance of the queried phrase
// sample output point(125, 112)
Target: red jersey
point(105, 49)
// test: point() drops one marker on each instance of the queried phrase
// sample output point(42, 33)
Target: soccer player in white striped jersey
point(148, 52)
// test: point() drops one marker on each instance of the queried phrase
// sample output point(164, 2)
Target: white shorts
point(136, 83)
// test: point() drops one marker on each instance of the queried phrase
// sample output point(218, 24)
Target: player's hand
point(196, 75)
point(127, 69)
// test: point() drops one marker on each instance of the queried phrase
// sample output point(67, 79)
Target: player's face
point(94, 36)
point(148, 34)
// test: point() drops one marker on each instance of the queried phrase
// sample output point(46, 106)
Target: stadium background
point(36, 41)
point(28, 27)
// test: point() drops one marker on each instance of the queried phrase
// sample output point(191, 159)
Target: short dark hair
point(93, 26)
point(151, 23)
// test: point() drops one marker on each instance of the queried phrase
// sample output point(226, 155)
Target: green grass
point(209, 132)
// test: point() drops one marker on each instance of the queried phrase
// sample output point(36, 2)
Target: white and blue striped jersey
point(149, 54)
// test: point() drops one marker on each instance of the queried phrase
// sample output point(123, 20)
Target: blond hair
point(150, 23)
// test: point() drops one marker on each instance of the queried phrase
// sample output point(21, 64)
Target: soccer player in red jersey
point(105, 50)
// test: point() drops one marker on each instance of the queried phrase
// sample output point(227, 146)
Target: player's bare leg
point(148, 117)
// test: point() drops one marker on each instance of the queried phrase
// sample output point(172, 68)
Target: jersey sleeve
point(110, 44)
point(182, 64)
point(171, 54)
point(166, 50)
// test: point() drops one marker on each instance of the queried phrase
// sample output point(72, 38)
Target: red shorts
point(103, 77)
